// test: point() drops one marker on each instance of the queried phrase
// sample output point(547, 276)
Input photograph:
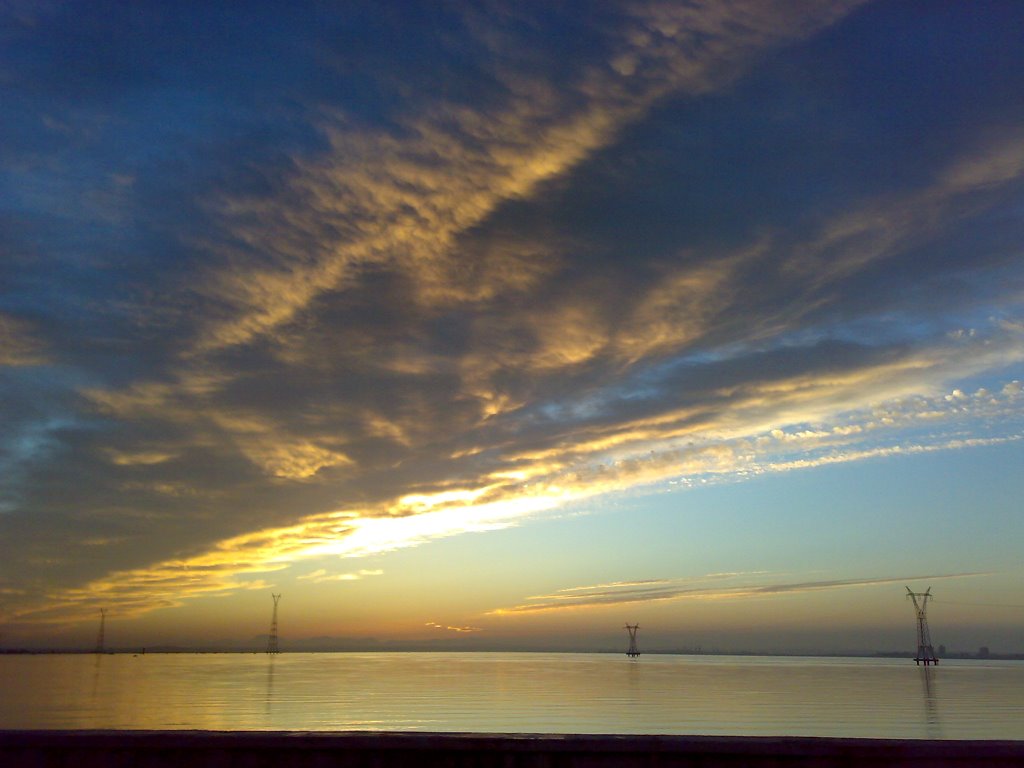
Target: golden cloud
point(666, 590)
point(404, 198)
point(19, 344)
point(747, 447)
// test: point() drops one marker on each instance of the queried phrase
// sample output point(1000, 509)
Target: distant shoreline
point(955, 656)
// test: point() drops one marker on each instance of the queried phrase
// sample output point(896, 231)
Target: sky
point(498, 325)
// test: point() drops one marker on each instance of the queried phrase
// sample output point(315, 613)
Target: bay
point(516, 693)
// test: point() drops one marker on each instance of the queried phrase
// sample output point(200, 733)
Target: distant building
point(942, 650)
point(983, 652)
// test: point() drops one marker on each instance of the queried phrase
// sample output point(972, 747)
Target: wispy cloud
point(457, 630)
point(404, 199)
point(19, 344)
point(600, 596)
point(417, 519)
point(321, 575)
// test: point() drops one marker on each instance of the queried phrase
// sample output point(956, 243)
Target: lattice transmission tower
point(272, 637)
point(925, 652)
point(633, 650)
point(100, 636)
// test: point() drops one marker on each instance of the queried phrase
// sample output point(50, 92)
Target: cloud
point(416, 519)
point(145, 458)
point(650, 452)
point(321, 575)
point(602, 596)
point(447, 292)
point(19, 344)
point(457, 630)
point(403, 198)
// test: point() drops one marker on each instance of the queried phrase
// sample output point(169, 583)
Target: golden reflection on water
point(96, 674)
point(515, 693)
point(270, 681)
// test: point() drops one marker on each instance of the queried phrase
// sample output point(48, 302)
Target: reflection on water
point(96, 674)
point(270, 681)
point(516, 693)
point(931, 702)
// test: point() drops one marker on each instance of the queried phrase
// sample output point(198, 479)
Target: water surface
point(516, 693)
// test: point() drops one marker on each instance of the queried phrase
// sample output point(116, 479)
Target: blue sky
point(497, 325)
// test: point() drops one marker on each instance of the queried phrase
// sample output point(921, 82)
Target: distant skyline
point(501, 325)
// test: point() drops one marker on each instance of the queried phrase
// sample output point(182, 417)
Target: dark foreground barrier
point(219, 749)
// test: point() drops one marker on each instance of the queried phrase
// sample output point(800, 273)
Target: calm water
point(510, 693)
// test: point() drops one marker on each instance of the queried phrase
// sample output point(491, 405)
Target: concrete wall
point(209, 749)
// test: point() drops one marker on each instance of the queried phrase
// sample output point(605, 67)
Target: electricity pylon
point(100, 639)
point(925, 652)
point(272, 637)
point(633, 650)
